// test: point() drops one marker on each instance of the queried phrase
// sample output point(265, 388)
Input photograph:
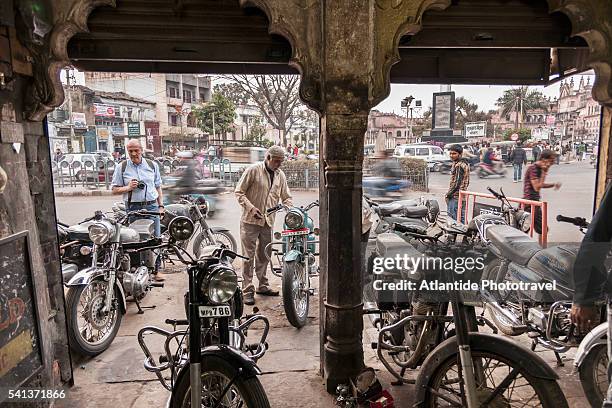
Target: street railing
point(464, 196)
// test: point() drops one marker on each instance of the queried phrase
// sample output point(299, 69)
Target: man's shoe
point(248, 298)
point(159, 277)
point(267, 292)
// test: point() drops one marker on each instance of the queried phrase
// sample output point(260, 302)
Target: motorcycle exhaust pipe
point(516, 325)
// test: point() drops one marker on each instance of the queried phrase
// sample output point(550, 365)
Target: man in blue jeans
point(460, 180)
point(518, 158)
point(139, 181)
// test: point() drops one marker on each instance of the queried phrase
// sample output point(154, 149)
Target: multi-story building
point(578, 115)
point(174, 95)
point(96, 120)
point(388, 128)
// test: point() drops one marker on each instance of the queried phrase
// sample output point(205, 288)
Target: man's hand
point(162, 210)
point(132, 184)
point(557, 186)
point(584, 317)
point(257, 214)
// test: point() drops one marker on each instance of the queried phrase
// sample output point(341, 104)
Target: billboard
point(103, 110)
point(79, 121)
point(475, 129)
point(443, 110)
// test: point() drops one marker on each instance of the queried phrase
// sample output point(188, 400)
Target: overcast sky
point(484, 96)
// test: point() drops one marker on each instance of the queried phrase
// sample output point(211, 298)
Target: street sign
point(539, 133)
point(133, 128)
point(475, 129)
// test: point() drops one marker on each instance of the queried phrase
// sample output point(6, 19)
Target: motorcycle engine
point(136, 283)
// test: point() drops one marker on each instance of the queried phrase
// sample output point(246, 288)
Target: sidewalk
point(81, 191)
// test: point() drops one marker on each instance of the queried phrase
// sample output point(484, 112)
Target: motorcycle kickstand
point(398, 383)
point(140, 311)
point(560, 362)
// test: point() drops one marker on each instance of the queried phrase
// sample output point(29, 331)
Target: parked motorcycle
point(122, 262)
point(541, 307)
point(75, 247)
point(297, 260)
point(486, 170)
point(591, 362)
point(212, 365)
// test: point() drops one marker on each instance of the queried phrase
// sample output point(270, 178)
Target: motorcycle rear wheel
point(295, 300)
point(593, 375)
point(77, 334)
point(446, 388)
point(216, 374)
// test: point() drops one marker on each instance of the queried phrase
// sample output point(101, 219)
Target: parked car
point(430, 153)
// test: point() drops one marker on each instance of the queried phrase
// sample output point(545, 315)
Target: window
point(399, 133)
point(436, 150)
point(422, 151)
point(409, 151)
point(172, 119)
point(187, 95)
point(173, 92)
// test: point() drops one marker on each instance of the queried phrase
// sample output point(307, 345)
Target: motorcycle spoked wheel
point(446, 388)
point(593, 375)
point(296, 299)
point(245, 392)
point(85, 317)
point(221, 237)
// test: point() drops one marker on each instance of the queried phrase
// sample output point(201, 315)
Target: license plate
point(287, 233)
point(215, 311)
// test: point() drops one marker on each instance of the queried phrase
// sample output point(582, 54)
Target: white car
point(433, 155)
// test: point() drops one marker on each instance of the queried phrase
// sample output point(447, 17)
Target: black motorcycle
point(210, 363)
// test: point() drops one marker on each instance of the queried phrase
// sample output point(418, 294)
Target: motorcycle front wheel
point(216, 375)
point(90, 330)
point(517, 388)
point(296, 298)
point(593, 375)
point(221, 237)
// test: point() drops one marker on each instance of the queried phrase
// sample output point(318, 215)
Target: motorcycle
point(421, 212)
point(75, 247)
point(297, 260)
point(122, 262)
point(197, 210)
point(591, 363)
point(384, 188)
point(486, 170)
point(539, 290)
point(212, 365)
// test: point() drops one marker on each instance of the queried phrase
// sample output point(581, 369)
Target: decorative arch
point(46, 91)
point(591, 20)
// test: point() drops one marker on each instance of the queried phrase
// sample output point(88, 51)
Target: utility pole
point(406, 102)
point(69, 103)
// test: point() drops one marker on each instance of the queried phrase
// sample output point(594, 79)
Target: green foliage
point(223, 110)
point(524, 134)
point(302, 164)
point(520, 100)
point(467, 111)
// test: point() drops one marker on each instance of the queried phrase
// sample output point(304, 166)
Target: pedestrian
point(261, 186)
point(590, 275)
point(211, 153)
point(536, 150)
point(518, 157)
point(295, 151)
point(535, 181)
point(460, 180)
point(59, 155)
point(290, 149)
point(139, 181)
point(220, 153)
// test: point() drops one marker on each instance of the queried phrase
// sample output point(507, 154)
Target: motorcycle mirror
point(181, 228)
point(277, 235)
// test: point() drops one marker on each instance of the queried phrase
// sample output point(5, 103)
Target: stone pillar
point(340, 220)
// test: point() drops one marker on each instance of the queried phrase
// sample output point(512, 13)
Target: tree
point(519, 100)
point(233, 92)
point(524, 134)
point(257, 133)
point(466, 112)
point(217, 116)
point(276, 97)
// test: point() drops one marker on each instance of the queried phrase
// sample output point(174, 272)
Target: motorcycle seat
point(513, 244)
point(144, 227)
point(396, 207)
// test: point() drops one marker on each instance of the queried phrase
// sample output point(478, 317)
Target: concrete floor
point(290, 367)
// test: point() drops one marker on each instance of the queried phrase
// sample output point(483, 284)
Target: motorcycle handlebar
point(577, 221)
point(274, 209)
point(495, 193)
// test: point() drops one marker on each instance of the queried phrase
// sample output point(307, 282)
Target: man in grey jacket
point(518, 157)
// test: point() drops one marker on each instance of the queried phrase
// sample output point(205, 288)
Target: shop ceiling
point(471, 42)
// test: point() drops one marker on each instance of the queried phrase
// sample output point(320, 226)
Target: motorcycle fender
point(596, 337)
point(293, 256)
point(219, 229)
point(87, 275)
point(524, 358)
point(235, 357)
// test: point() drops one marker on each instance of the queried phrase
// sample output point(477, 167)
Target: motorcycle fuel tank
point(524, 274)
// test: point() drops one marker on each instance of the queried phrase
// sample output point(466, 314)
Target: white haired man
point(261, 186)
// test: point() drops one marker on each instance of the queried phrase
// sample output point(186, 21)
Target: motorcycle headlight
point(181, 228)
point(221, 285)
point(294, 220)
point(524, 221)
point(101, 232)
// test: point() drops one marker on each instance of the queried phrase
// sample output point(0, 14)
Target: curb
point(84, 193)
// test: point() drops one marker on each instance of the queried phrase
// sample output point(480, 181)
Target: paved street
point(291, 365)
